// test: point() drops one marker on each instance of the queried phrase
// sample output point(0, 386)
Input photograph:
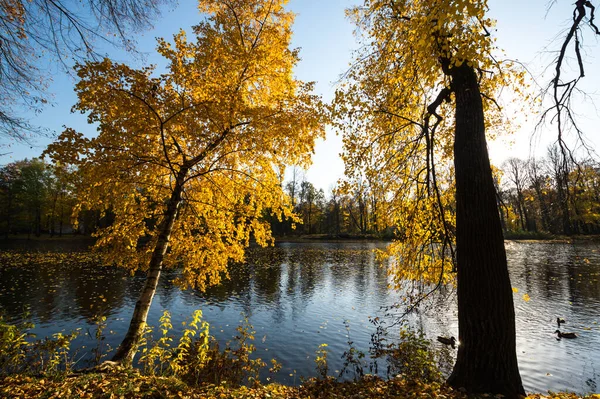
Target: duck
point(560, 321)
point(565, 334)
point(447, 341)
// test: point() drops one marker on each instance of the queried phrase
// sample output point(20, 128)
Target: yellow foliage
point(395, 110)
point(207, 136)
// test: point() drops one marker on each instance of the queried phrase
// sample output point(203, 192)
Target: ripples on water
point(298, 295)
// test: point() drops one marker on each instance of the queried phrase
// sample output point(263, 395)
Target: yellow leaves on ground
point(133, 385)
point(219, 123)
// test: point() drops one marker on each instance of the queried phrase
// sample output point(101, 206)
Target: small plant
point(156, 354)
point(206, 363)
point(50, 355)
point(99, 353)
point(190, 352)
point(413, 358)
point(353, 358)
point(321, 361)
point(46, 356)
point(13, 347)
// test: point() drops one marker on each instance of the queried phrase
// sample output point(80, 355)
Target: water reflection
point(298, 296)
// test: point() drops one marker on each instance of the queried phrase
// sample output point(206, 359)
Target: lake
point(300, 295)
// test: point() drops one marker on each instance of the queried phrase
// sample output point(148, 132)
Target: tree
point(539, 183)
point(516, 173)
point(560, 168)
point(311, 202)
point(423, 61)
point(292, 185)
point(189, 159)
point(60, 189)
point(35, 177)
point(10, 186)
point(564, 85)
point(33, 32)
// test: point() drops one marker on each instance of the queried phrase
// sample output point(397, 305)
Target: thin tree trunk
point(62, 215)
point(126, 350)
point(53, 214)
point(38, 222)
point(562, 188)
point(486, 360)
point(543, 206)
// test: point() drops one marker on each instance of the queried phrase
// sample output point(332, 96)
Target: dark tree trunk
point(562, 188)
point(38, 222)
point(62, 216)
point(126, 350)
point(543, 206)
point(8, 214)
point(53, 214)
point(486, 361)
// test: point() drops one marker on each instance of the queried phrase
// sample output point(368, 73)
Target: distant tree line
point(550, 195)
point(346, 210)
point(38, 198)
point(539, 195)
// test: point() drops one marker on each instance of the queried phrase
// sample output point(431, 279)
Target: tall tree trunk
point(562, 188)
point(38, 221)
point(53, 214)
point(126, 350)
point(543, 206)
point(486, 360)
point(62, 215)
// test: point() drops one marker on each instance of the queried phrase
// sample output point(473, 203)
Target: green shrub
point(413, 358)
point(49, 355)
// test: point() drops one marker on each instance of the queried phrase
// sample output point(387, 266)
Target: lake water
point(300, 295)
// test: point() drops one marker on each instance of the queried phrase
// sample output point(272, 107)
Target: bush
point(45, 356)
point(413, 358)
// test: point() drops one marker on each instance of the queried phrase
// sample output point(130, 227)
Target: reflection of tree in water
point(265, 265)
point(98, 290)
point(167, 289)
point(548, 266)
point(61, 287)
point(584, 275)
point(558, 270)
point(17, 288)
point(309, 262)
point(235, 288)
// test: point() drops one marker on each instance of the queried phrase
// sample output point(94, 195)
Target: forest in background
point(535, 196)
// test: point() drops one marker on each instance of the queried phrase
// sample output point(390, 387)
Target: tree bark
point(128, 347)
point(486, 360)
point(8, 213)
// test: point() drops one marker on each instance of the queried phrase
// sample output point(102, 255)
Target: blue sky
point(526, 30)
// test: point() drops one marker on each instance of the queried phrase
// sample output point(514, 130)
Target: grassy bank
point(130, 384)
point(197, 368)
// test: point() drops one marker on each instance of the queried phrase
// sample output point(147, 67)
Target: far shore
point(508, 236)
